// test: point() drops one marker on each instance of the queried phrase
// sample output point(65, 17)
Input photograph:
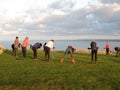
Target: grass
point(29, 74)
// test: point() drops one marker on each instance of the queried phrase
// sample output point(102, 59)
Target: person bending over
point(70, 50)
point(34, 48)
point(49, 45)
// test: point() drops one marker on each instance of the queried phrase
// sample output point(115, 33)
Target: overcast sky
point(59, 19)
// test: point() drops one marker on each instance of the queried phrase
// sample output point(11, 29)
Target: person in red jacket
point(107, 47)
point(24, 46)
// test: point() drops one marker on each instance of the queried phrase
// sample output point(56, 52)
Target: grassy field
point(29, 74)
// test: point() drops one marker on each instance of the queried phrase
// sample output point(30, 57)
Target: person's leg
point(71, 53)
point(92, 54)
point(16, 51)
point(95, 55)
point(119, 54)
point(66, 51)
point(48, 54)
point(34, 53)
point(108, 51)
point(24, 51)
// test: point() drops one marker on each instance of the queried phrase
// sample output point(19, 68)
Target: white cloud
point(66, 19)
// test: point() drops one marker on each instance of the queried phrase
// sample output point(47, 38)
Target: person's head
point(17, 37)
point(26, 37)
point(52, 40)
point(107, 42)
point(40, 44)
point(93, 40)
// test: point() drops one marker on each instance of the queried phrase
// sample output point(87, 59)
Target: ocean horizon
point(78, 44)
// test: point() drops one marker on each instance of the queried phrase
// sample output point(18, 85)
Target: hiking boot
point(73, 61)
point(62, 60)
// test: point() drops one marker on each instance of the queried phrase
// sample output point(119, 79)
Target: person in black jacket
point(13, 49)
point(34, 48)
point(94, 49)
point(117, 49)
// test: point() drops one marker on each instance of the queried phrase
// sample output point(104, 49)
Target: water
point(78, 44)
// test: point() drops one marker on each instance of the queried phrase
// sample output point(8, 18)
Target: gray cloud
point(62, 4)
point(110, 1)
point(96, 19)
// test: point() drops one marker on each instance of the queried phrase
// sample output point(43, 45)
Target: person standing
point(94, 49)
point(107, 47)
point(34, 48)
point(49, 45)
point(70, 50)
point(24, 46)
point(16, 46)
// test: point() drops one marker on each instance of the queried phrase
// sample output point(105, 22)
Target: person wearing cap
point(24, 46)
point(49, 45)
point(34, 48)
point(70, 50)
point(94, 49)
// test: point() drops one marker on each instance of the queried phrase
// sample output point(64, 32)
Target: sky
point(59, 19)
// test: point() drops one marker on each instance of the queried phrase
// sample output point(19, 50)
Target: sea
point(62, 44)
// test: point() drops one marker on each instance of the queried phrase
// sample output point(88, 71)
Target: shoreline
point(77, 50)
point(88, 51)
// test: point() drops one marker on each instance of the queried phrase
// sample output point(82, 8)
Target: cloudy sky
point(59, 19)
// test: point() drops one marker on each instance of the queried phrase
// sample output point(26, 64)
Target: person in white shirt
point(49, 45)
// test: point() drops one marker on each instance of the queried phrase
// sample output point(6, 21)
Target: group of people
point(50, 45)
point(47, 47)
point(16, 45)
point(94, 48)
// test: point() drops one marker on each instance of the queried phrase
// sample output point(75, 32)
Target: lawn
point(29, 74)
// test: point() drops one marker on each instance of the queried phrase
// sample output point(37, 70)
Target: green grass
point(29, 74)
